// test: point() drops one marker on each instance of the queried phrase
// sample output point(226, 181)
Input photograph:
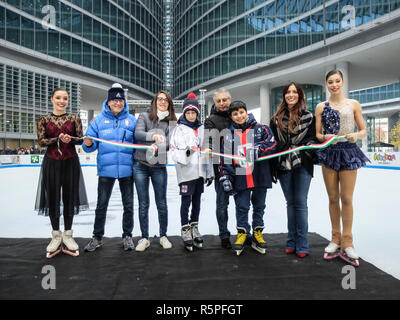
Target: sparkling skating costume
point(60, 170)
point(342, 155)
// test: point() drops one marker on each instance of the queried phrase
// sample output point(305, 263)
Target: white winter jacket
point(190, 165)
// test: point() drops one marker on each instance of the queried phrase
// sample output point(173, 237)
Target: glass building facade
point(214, 38)
point(25, 96)
point(121, 38)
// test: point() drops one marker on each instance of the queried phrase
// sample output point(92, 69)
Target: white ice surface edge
point(376, 202)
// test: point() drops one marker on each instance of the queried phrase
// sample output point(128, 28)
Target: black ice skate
point(197, 240)
point(187, 238)
point(238, 246)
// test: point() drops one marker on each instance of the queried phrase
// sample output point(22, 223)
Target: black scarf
point(290, 140)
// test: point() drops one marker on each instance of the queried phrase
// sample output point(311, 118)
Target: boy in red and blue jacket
point(247, 180)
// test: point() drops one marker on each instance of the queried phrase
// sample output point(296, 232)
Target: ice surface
point(376, 223)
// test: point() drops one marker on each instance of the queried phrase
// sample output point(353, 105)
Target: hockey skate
point(187, 238)
point(331, 251)
point(258, 242)
point(69, 245)
point(350, 256)
point(197, 240)
point(54, 246)
point(238, 246)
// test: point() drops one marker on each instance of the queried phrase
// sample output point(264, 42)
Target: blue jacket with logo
point(113, 161)
point(245, 175)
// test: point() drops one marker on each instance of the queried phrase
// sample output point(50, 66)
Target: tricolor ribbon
point(323, 145)
point(123, 144)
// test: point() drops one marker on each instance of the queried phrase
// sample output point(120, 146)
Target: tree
point(394, 135)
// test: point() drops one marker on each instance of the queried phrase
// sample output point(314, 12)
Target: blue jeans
point(295, 185)
point(104, 190)
point(257, 198)
point(222, 203)
point(158, 175)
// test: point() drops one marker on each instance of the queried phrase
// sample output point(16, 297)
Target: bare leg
point(331, 179)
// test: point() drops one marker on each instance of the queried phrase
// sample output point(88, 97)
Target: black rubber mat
point(211, 273)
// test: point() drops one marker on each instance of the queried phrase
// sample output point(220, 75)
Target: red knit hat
point(191, 103)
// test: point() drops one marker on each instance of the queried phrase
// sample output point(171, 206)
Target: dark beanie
point(116, 92)
point(191, 103)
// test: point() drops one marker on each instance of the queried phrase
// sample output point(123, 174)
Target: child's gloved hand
point(208, 181)
point(226, 184)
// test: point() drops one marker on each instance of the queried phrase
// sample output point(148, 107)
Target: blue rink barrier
point(169, 165)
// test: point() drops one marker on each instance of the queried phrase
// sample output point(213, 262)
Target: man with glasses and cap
point(113, 162)
point(214, 125)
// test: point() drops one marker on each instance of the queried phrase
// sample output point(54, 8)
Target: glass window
point(96, 59)
point(66, 17)
point(27, 36)
point(105, 36)
point(2, 22)
point(105, 63)
point(113, 40)
point(363, 11)
point(28, 6)
point(13, 27)
point(54, 43)
point(76, 51)
point(40, 38)
point(293, 36)
point(280, 12)
point(332, 20)
point(250, 53)
point(65, 44)
point(281, 41)
point(304, 6)
point(113, 65)
point(87, 27)
point(87, 55)
point(76, 22)
point(304, 32)
point(317, 28)
point(96, 32)
point(87, 5)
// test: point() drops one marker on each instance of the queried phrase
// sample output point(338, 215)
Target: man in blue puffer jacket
point(113, 162)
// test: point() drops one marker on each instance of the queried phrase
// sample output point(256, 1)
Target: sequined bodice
point(346, 120)
point(338, 122)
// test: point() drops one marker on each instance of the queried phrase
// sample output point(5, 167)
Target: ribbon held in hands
point(124, 144)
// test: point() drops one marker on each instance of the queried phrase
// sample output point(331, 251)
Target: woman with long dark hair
point(152, 128)
point(293, 125)
point(61, 183)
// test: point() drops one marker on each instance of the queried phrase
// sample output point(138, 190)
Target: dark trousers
point(222, 203)
point(256, 197)
point(193, 189)
point(104, 191)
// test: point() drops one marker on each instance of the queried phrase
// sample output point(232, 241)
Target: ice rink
point(376, 227)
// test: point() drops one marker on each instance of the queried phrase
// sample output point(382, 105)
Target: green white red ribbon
point(325, 144)
point(123, 144)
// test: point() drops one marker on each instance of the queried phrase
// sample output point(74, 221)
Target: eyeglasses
point(159, 99)
point(117, 101)
point(222, 100)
